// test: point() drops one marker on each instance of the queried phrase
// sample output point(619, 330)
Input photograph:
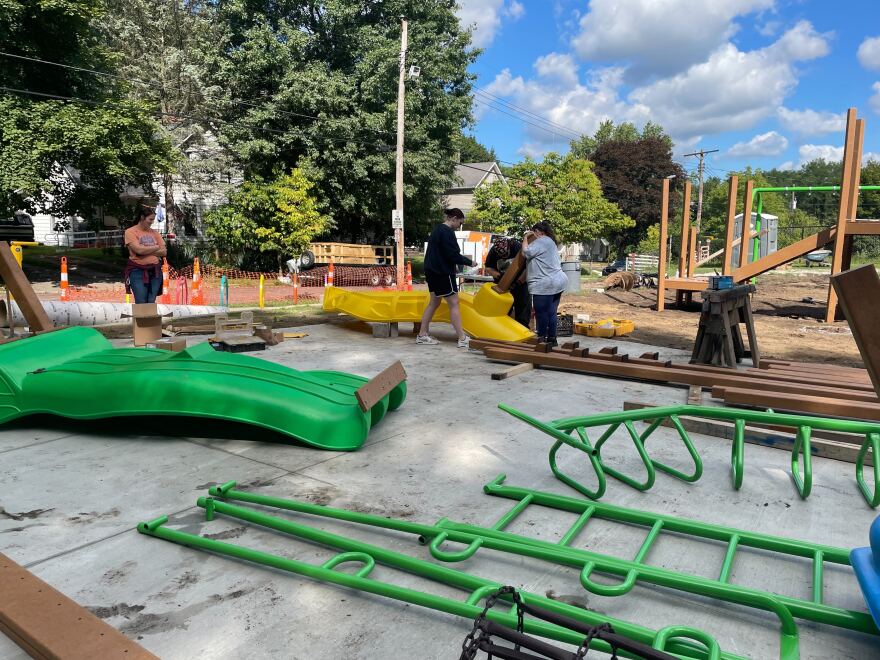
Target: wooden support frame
point(732, 189)
point(746, 228)
point(853, 201)
point(813, 405)
point(858, 291)
point(846, 182)
point(685, 230)
point(664, 237)
point(16, 282)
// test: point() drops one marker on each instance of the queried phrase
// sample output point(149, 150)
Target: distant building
point(469, 177)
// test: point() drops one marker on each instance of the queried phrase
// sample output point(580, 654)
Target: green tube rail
point(572, 432)
point(494, 538)
point(681, 641)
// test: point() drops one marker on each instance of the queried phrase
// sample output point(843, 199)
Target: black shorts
point(441, 286)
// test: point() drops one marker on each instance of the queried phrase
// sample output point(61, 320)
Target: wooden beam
point(692, 253)
point(14, 278)
point(664, 237)
point(685, 229)
point(801, 403)
point(746, 228)
point(732, 189)
point(515, 370)
point(369, 394)
point(859, 294)
point(508, 279)
point(846, 182)
point(48, 624)
point(852, 205)
point(814, 367)
point(786, 254)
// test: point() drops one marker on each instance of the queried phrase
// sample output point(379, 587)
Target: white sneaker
point(426, 339)
point(464, 343)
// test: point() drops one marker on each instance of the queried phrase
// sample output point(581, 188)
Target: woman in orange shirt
point(143, 274)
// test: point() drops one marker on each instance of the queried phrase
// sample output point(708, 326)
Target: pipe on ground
point(96, 313)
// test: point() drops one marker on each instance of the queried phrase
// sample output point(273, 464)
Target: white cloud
point(559, 68)
point(830, 153)
point(769, 29)
point(811, 122)
point(787, 166)
point(515, 10)
point(874, 101)
point(765, 144)
point(869, 53)
point(485, 15)
point(658, 36)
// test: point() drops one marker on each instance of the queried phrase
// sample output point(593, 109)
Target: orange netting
point(243, 287)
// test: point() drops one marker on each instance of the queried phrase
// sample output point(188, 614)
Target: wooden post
point(17, 284)
point(398, 174)
point(685, 229)
point(692, 249)
point(664, 231)
point(853, 201)
point(744, 242)
point(846, 181)
point(732, 189)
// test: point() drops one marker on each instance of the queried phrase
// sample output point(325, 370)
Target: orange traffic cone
point(409, 276)
point(295, 288)
point(330, 274)
point(197, 283)
point(65, 292)
point(166, 297)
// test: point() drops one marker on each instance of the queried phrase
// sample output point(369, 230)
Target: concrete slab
point(430, 459)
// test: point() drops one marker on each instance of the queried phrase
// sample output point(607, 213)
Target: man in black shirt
point(441, 258)
point(498, 260)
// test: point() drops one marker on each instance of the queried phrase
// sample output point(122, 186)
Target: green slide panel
point(76, 373)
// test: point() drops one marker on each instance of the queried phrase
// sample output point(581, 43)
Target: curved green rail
point(495, 538)
point(562, 430)
point(675, 640)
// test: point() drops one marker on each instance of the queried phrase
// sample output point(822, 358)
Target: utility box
point(146, 323)
point(768, 240)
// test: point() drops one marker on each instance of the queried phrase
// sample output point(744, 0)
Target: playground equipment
point(483, 314)
point(866, 565)
point(839, 236)
point(76, 373)
point(572, 432)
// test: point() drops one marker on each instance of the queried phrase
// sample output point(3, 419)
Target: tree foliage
point(562, 190)
point(471, 151)
point(67, 157)
point(275, 219)
point(585, 146)
point(322, 78)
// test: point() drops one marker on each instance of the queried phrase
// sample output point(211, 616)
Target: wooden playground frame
point(840, 235)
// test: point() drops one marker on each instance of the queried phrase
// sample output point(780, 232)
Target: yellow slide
point(483, 314)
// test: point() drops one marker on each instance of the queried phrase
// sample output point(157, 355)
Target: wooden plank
point(695, 395)
point(852, 203)
point(771, 363)
point(784, 255)
point(661, 374)
point(685, 229)
point(802, 403)
point(767, 437)
point(846, 183)
point(508, 279)
point(664, 237)
point(369, 394)
point(515, 370)
point(746, 228)
point(14, 278)
point(48, 624)
point(824, 380)
point(681, 284)
point(859, 294)
point(692, 253)
point(732, 189)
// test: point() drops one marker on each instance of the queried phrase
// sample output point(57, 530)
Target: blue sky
point(767, 82)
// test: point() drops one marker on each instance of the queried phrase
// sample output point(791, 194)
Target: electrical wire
point(491, 98)
point(518, 118)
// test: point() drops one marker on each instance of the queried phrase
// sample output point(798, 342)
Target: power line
point(517, 117)
point(117, 102)
point(498, 99)
point(141, 81)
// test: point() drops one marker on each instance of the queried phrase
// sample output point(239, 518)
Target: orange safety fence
point(243, 287)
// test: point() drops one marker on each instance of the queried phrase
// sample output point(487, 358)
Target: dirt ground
point(787, 327)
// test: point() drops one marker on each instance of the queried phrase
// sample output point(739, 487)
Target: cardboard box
point(146, 323)
point(171, 344)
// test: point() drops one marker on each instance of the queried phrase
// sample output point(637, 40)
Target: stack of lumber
point(806, 388)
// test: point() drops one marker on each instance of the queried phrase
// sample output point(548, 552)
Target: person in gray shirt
point(545, 277)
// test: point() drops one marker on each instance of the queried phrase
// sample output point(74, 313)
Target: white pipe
point(96, 313)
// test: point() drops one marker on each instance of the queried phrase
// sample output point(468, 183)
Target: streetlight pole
point(397, 220)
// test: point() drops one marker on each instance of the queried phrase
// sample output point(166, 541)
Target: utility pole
point(397, 218)
point(702, 154)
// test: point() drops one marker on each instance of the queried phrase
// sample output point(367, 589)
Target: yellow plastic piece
point(605, 328)
point(483, 314)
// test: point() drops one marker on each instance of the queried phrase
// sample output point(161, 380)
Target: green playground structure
point(77, 373)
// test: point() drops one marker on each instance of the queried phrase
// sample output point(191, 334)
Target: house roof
point(471, 175)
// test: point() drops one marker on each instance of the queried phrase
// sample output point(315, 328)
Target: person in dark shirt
point(441, 258)
point(498, 260)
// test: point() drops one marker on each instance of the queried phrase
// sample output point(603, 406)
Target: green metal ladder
point(572, 432)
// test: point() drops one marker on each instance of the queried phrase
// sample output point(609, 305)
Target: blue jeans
point(545, 313)
point(144, 293)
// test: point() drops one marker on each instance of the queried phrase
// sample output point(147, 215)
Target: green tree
point(266, 223)
point(471, 151)
point(585, 146)
point(632, 173)
point(68, 157)
point(325, 74)
point(562, 190)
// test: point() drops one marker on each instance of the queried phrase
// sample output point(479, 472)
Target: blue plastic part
point(866, 565)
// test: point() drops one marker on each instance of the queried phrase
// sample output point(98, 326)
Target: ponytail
point(545, 227)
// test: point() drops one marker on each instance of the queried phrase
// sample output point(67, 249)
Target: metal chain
point(471, 643)
point(584, 648)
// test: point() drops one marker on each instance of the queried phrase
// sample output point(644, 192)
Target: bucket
point(572, 270)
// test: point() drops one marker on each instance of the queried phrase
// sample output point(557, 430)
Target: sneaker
point(426, 339)
point(464, 343)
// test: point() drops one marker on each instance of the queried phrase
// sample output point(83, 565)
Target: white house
point(469, 177)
